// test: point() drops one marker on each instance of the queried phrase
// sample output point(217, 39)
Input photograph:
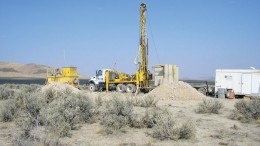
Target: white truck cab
point(98, 82)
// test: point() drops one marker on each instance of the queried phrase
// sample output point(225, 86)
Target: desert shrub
point(8, 110)
point(6, 93)
point(153, 115)
point(38, 136)
point(209, 106)
point(99, 101)
point(33, 104)
point(64, 113)
point(116, 114)
point(54, 91)
point(137, 121)
point(145, 101)
point(30, 88)
point(247, 110)
point(165, 127)
point(187, 130)
point(30, 105)
point(148, 101)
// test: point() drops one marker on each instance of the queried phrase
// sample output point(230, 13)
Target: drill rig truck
point(110, 79)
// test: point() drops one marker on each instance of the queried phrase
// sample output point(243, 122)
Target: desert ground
point(209, 128)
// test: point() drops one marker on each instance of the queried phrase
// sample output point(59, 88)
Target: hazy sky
point(199, 36)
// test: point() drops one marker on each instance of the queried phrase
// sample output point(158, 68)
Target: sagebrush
point(116, 114)
point(247, 110)
point(64, 113)
point(165, 127)
point(8, 110)
point(209, 106)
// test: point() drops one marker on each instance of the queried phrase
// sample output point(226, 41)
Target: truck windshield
point(99, 73)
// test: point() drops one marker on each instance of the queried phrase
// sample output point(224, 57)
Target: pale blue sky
point(199, 36)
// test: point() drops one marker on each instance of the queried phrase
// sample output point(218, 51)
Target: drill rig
point(111, 79)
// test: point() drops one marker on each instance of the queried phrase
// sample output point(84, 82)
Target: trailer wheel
point(202, 90)
point(92, 87)
point(120, 88)
point(130, 88)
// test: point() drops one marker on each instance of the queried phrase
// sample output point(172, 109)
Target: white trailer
point(242, 82)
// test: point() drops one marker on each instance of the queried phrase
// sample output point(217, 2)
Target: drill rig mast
point(143, 75)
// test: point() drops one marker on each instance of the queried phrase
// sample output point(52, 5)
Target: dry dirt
point(182, 100)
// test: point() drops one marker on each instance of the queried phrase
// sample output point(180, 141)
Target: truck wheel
point(92, 87)
point(120, 88)
point(130, 88)
point(202, 90)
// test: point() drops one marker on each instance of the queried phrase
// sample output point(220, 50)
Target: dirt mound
point(176, 91)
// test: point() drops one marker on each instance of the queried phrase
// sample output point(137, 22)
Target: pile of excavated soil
point(59, 89)
point(176, 91)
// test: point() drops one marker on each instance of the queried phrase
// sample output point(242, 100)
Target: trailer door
point(246, 83)
point(256, 83)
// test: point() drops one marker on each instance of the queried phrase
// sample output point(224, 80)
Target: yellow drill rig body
point(111, 79)
point(68, 75)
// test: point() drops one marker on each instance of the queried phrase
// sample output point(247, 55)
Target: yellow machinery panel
point(68, 75)
point(69, 71)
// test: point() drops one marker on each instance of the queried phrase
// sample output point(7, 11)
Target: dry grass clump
point(165, 127)
point(116, 114)
point(209, 106)
point(247, 110)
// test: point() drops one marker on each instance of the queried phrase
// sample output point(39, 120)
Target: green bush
point(8, 110)
point(209, 106)
point(248, 110)
point(116, 114)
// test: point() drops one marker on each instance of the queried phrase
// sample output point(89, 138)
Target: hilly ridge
point(8, 69)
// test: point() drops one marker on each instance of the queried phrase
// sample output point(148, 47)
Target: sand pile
point(56, 90)
point(177, 91)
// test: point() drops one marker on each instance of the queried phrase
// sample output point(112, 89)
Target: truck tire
point(130, 88)
point(202, 90)
point(120, 88)
point(92, 87)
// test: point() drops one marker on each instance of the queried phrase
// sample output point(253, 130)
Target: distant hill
point(8, 69)
point(16, 70)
